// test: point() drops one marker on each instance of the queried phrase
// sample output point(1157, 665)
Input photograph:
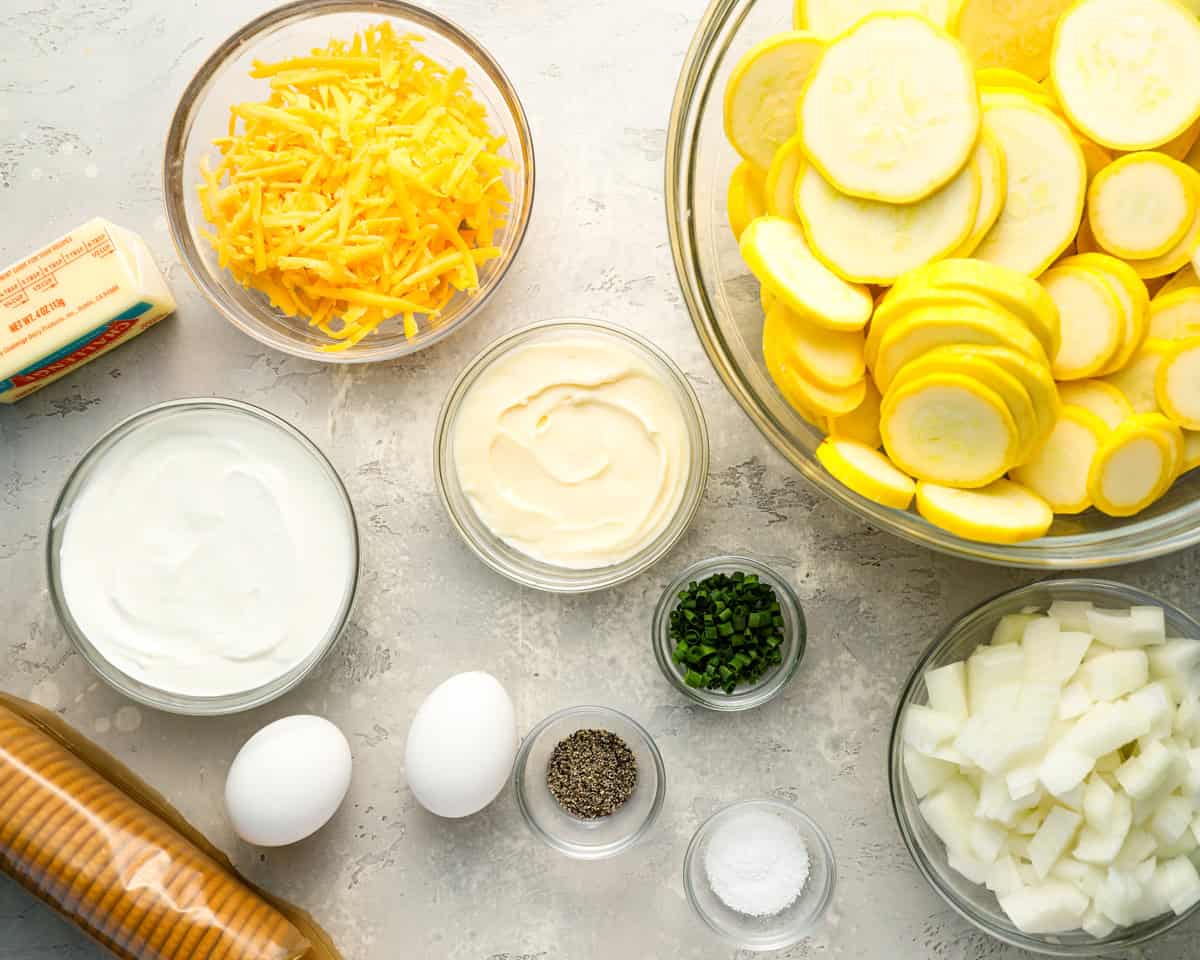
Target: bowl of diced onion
point(349, 180)
point(1044, 771)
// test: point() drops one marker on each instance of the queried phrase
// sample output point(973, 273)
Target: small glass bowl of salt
point(760, 873)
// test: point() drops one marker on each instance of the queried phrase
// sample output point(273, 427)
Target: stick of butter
point(73, 300)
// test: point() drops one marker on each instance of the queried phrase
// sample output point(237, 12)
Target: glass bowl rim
point(1172, 531)
point(300, 11)
point(778, 806)
point(144, 693)
point(1005, 600)
point(571, 850)
point(568, 580)
point(765, 690)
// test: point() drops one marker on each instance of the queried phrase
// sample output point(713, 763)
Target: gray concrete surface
point(86, 90)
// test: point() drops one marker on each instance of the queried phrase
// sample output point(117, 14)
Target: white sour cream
point(208, 553)
point(573, 450)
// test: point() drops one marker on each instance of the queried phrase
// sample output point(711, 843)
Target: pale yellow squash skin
point(867, 472)
point(745, 200)
point(1002, 512)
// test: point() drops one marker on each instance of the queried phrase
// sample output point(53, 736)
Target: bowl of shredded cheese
point(349, 180)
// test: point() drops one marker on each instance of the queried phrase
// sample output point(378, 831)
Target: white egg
point(461, 745)
point(287, 781)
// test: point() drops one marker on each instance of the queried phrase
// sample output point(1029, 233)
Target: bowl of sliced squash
point(942, 255)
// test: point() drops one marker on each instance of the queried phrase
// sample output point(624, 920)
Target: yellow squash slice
point(830, 358)
point(966, 362)
point(776, 253)
point(1058, 472)
point(1182, 145)
point(1002, 512)
point(1092, 321)
point(1138, 379)
point(1141, 205)
point(745, 199)
point(950, 429)
point(891, 111)
point(1007, 78)
point(1175, 315)
point(1179, 255)
point(1047, 180)
point(1128, 71)
point(867, 472)
point(1099, 398)
point(1033, 375)
point(763, 90)
point(829, 18)
point(993, 189)
point(929, 327)
point(1095, 157)
point(1015, 34)
point(1177, 384)
point(1183, 279)
point(1130, 291)
point(867, 241)
point(779, 189)
point(862, 423)
point(781, 367)
point(1191, 450)
point(1134, 466)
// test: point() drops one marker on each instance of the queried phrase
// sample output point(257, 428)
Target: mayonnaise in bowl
point(572, 454)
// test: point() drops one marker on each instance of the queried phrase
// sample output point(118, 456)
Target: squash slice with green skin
point(1128, 71)
point(891, 110)
point(761, 96)
point(1058, 471)
point(949, 429)
point(1002, 512)
point(867, 472)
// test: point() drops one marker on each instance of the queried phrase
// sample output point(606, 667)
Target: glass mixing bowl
point(723, 299)
point(972, 902)
point(223, 80)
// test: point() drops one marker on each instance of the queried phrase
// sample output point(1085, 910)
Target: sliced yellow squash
point(993, 189)
point(1092, 321)
point(924, 329)
point(1137, 380)
point(862, 423)
point(1177, 384)
point(1015, 34)
point(776, 253)
point(763, 90)
point(1128, 71)
point(1175, 315)
point(1047, 180)
point(1099, 398)
point(1058, 471)
point(830, 358)
point(829, 18)
point(779, 188)
point(1183, 279)
point(950, 429)
point(1141, 205)
point(1034, 376)
point(1134, 466)
point(1182, 145)
point(1130, 291)
point(1191, 450)
point(867, 472)
point(781, 368)
point(1095, 157)
point(966, 362)
point(1003, 77)
point(867, 241)
point(891, 111)
point(1002, 512)
point(745, 199)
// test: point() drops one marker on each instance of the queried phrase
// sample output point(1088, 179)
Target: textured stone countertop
point(87, 88)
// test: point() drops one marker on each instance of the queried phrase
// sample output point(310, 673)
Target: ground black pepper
point(591, 773)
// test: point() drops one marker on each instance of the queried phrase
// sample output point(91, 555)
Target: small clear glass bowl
point(974, 903)
point(790, 925)
point(223, 80)
point(119, 680)
point(517, 565)
point(770, 684)
point(578, 838)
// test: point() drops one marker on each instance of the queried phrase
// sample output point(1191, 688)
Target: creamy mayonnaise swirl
point(573, 450)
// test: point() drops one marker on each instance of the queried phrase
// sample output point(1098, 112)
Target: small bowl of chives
point(729, 633)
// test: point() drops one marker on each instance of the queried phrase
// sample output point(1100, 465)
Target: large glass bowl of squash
point(941, 253)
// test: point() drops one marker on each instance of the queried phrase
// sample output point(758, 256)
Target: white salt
point(757, 863)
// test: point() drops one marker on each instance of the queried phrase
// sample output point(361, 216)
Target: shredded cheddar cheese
point(367, 186)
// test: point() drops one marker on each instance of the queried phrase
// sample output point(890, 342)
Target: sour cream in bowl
point(203, 556)
point(571, 455)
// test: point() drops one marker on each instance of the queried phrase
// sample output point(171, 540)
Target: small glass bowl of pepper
point(729, 633)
